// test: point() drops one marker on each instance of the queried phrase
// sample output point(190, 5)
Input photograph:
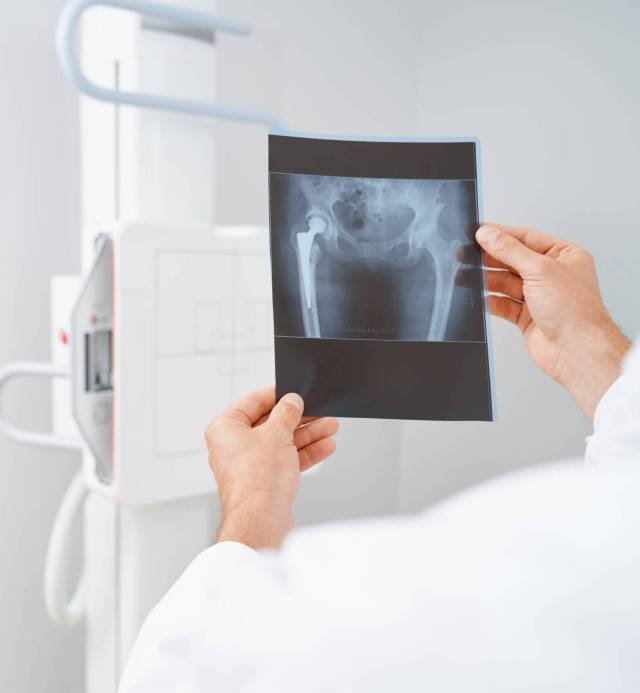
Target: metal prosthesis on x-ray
point(368, 220)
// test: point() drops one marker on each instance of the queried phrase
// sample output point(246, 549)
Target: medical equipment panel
point(92, 360)
point(171, 325)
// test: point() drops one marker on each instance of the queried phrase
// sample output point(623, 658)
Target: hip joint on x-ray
point(388, 226)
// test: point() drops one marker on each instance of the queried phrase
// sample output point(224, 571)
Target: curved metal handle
point(20, 369)
point(65, 42)
point(63, 610)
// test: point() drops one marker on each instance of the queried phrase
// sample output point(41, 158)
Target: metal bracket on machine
point(36, 369)
point(185, 20)
point(61, 609)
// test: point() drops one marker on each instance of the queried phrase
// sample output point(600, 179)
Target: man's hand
point(257, 449)
point(550, 291)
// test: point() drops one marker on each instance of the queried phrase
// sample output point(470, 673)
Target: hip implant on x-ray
point(374, 258)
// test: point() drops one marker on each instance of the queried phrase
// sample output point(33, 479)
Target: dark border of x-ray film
point(415, 159)
point(445, 381)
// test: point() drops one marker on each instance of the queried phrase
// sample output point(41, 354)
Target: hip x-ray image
point(368, 241)
point(374, 258)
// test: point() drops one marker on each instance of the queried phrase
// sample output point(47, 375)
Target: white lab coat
point(530, 582)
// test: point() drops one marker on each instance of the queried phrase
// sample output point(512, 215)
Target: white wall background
point(39, 236)
point(548, 87)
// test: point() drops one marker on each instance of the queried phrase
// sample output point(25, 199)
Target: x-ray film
point(369, 242)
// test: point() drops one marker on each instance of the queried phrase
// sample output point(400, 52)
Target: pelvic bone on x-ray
point(387, 226)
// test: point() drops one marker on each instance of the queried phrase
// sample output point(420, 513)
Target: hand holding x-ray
point(550, 291)
point(547, 287)
point(257, 450)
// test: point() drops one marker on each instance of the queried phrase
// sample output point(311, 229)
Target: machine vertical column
point(154, 166)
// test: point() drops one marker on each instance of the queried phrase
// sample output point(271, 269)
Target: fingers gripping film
point(286, 415)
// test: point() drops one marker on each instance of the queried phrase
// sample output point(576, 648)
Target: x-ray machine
point(170, 320)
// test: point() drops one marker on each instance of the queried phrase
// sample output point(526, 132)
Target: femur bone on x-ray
point(389, 227)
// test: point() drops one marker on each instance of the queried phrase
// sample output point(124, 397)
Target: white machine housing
point(192, 329)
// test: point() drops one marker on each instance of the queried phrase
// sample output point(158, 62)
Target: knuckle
point(305, 459)
point(570, 250)
point(541, 264)
point(212, 430)
point(584, 254)
point(303, 437)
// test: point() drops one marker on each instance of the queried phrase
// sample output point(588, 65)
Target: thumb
point(505, 248)
point(286, 415)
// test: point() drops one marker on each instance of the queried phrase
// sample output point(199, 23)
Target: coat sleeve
point(213, 627)
point(616, 424)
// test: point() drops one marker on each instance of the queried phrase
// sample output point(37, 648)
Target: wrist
point(592, 363)
point(259, 523)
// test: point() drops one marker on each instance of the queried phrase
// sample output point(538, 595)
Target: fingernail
point(294, 399)
point(485, 234)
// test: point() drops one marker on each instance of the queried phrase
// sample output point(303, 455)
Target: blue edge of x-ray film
point(476, 141)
